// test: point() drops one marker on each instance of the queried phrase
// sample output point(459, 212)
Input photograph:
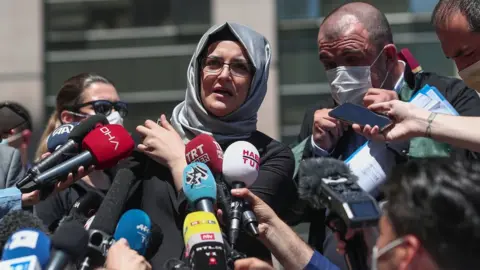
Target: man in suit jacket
point(11, 168)
point(355, 45)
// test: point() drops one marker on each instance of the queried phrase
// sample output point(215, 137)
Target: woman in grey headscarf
point(227, 82)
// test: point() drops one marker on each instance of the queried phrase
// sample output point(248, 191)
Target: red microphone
point(205, 149)
point(104, 147)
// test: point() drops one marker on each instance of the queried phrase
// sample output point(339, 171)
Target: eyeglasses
point(215, 65)
point(105, 107)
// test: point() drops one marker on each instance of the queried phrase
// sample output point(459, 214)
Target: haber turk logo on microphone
point(251, 158)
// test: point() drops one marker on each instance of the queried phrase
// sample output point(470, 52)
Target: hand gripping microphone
point(72, 145)
point(104, 147)
point(103, 225)
point(240, 168)
point(329, 183)
point(70, 243)
point(203, 241)
point(134, 226)
point(205, 149)
point(26, 249)
point(199, 186)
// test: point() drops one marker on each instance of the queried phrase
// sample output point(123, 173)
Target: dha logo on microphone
point(63, 129)
point(111, 138)
point(143, 228)
point(251, 158)
point(207, 236)
point(196, 175)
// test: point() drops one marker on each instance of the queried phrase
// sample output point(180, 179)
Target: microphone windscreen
point(114, 202)
point(313, 170)
point(134, 226)
point(17, 220)
point(198, 182)
point(200, 227)
point(108, 145)
point(87, 125)
point(205, 149)
point(60, 136)
point(87, 205)
point(28, 242)
point(241, 163)
point(72, 239)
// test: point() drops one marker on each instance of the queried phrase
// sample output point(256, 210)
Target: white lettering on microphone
point(111, 138)
point(250, 158)
point(197, 154)
point(63, 129)
point(26, 239)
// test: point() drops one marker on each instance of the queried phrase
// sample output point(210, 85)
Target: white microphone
point(241, 162)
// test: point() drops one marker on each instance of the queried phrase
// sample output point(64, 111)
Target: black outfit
point(55, 207)
point(465, 100)
point(167, 208)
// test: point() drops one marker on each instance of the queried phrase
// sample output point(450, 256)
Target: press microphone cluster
point(103, 147)
point(329, 183)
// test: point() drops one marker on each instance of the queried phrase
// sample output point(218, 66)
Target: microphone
point(84, 208)
point(17, 220)
point(26, 249)
point(203, 148)
point(240, 169)
point(329, 183)
point(60, 136)
point(203, 241)
point(76, 136)
point(104, 147)
point(70, 242)
point(134, 226)
point(199, 186)
point(103, 225)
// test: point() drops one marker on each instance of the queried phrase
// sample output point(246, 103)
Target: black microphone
point(72, 145)
point(70, 243)
point(83, 208)
point(104, 147)
point(105, 222)
point(329, 183)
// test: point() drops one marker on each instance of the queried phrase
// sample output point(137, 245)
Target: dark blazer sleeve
point(11, 169)
point(307, 124)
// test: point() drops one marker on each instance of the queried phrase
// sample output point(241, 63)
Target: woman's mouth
point(223, 92)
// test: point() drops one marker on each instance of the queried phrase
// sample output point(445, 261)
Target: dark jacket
point(167, 208)
point(465, 100)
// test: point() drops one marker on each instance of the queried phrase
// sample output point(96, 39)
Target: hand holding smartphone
point(355, 114)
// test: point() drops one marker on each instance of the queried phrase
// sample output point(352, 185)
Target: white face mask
point(377, 253)
point(114, 118)
point(471, 76)
point(350, 83)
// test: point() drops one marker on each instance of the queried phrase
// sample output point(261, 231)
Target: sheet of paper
point(371, 164)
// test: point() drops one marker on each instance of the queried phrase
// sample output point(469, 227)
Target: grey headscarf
point(190, 118)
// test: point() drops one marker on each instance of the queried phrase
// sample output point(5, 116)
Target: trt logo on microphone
point(251, 158)
point(196, 175)
point(111, 138)
point(197, 154)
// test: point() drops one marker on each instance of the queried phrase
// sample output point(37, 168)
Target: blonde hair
point(53, 123)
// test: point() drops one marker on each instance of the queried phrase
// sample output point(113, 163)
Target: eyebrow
point(352, 51)
point(235, 59)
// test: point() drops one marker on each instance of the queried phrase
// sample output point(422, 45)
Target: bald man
point(355, 46)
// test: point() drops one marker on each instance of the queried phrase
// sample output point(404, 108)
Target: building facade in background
point(144, 46)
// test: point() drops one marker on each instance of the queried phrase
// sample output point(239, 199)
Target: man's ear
point(408, 250)
point(390, 52)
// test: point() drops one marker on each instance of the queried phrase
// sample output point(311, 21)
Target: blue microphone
point(27, 248)
point(199, 186)
point(60, 136)
point(134, 226)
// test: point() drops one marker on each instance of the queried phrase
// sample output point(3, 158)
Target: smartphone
point(9, 119)
point(355, 114)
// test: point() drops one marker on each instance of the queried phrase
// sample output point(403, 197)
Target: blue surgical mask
point(4, 141)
